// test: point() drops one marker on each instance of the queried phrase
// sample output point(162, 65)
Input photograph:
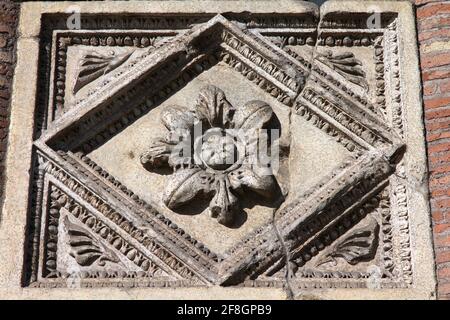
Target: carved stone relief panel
point(227, 148)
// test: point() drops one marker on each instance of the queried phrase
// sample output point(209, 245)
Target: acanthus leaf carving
point(94, 65)
point(85, 249)
point(359, 245)
point(347, 66)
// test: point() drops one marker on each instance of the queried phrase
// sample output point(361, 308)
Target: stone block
point(188, 150)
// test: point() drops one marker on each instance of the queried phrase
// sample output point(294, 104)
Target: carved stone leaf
point(94, 65)
point(179, 119)
point(185, 185)
point(347, 66)
point(247, 177)
point(84, 248)
point(253, 115)
point(360, 245)
point(214, 107)
point(157, 155)
point(224, 205)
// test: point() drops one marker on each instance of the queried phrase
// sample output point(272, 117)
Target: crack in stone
point(291, 293)
point(287, 287)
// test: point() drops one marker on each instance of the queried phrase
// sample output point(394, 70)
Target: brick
point(440, 192)
point(6, 56)
point(5, 29)
point(443, 256)
point(435, 60)
point(441, 169)
point(4, 82)
point(3, 41)
point(4, 94)
point(433, 22)
point(4, 108)
point(3, 134)
point(443, 203)
point(433, 114)
point(3, 123)
point(434, 74)
point(444, 289)
point(437, 182)
point(442, 241)
point(4, 68)
point(444, 272)
point(444, 297)
point(432, 126)
point(441, 228)
point(444, 86)
point(432, 14)
point(434, 34)
point(3, 148)
point(8, 22)
point(433, 9)
point(439, 158)
point(437, 102)
point(438, 136)
point(437, 216)
point(421, 2)
point(430, 88)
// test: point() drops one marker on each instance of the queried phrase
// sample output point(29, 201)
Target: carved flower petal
point(185, 185)
point(224, 206)
point(178, 119)
point(181, 154)
point(157, 155)
point(212, 105)
point(256, 179)
point(253, 115)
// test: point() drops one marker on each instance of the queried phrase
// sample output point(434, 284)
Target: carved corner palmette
point(361, 244)
point(346, 65)
point(94, 65)
point(85, 249)
point(352, 220)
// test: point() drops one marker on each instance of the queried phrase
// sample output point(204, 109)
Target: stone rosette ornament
point(217, 152)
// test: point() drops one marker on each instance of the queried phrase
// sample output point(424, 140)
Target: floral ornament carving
point(85, 249)
point(347, 66)
point(359, 245)
point(213, 149)
point(94, 65)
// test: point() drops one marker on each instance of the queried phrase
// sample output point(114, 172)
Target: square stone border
point(13, 225)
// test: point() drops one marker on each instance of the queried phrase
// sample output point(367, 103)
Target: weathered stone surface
point(97, 198)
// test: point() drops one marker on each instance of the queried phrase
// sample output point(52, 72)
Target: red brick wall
point(8, 23)
point(433, 26)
